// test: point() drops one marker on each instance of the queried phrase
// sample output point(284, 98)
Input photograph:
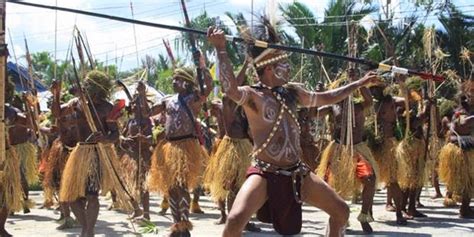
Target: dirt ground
point(441, 221)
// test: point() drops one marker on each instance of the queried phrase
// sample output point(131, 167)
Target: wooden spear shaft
point(3, 79)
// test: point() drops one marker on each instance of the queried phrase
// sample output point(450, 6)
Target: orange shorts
point(364, 168)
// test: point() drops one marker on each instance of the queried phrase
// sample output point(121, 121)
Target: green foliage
point(373, 52)
point(459, 32)
point(164, 81)
point(446, 107)
point(147, 227)
point(203, 22)
point(392, 43)
point(35, 186)
point(329, 35)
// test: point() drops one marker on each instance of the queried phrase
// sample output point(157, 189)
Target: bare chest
point(276, 132)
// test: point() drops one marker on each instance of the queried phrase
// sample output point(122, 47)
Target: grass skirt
point(217, 141)
point(456, 169)
point(29, 165)
point(11, 190)
point(88, 168)
point(433, 158)
point(129, 176)
point(211, 163)
point(411, 163)
point(228, 167)
point(338, 167)
point(386, 161)
point(55, 164)
point(176, 163)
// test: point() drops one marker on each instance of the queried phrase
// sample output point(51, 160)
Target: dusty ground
point(441, 221)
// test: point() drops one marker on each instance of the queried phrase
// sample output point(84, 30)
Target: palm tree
point(329, 35)
point(202, 22)
point(43, 65)
point(458, 33)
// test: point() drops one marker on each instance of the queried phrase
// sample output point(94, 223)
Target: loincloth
point(283, 206)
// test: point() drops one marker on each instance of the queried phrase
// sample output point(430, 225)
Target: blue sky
point(110, 40)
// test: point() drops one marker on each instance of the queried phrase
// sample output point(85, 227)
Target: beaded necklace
point(283, 108)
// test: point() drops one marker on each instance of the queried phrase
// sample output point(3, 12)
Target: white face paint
point(282, 70)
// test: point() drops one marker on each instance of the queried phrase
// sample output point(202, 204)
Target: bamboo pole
point(3, 80)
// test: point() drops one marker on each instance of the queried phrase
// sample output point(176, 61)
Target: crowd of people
point(274, 145)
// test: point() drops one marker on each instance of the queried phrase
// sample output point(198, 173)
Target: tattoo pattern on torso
point(178, 122)
point(284, 147)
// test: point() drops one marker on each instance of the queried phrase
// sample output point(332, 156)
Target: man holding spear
point(177, 162)
point(91, 166)
point(279, 179)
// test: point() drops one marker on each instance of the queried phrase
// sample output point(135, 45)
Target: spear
point(256, 43)
point(29, 111)
point(35, 111)
point(93, 127)
point(196, 57)
point(3, 80)
point(166, 43)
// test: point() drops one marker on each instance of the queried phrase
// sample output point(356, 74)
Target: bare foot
point(221, 220)
point(252, 227)
point(46, 205)
point(416, 213)
point(136, 213)
point(366, 227)
point(390, 208)
point(407, 216)
point(449, 202)
point(437, 195)
point(163, 211)
point(68, 223)
point(195, 208)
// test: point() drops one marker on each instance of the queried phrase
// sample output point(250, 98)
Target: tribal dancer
point(93, 164)
point(21, 139)
point(456, 159)
point(340, 166)
point(11, 193)
point(384, 145)
point(68, 135)
point(279, 179)
point(436, 139)
point(410, 151)
point(135, 144)
point(227, 168)
point(311, 152)
point(177, 162)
